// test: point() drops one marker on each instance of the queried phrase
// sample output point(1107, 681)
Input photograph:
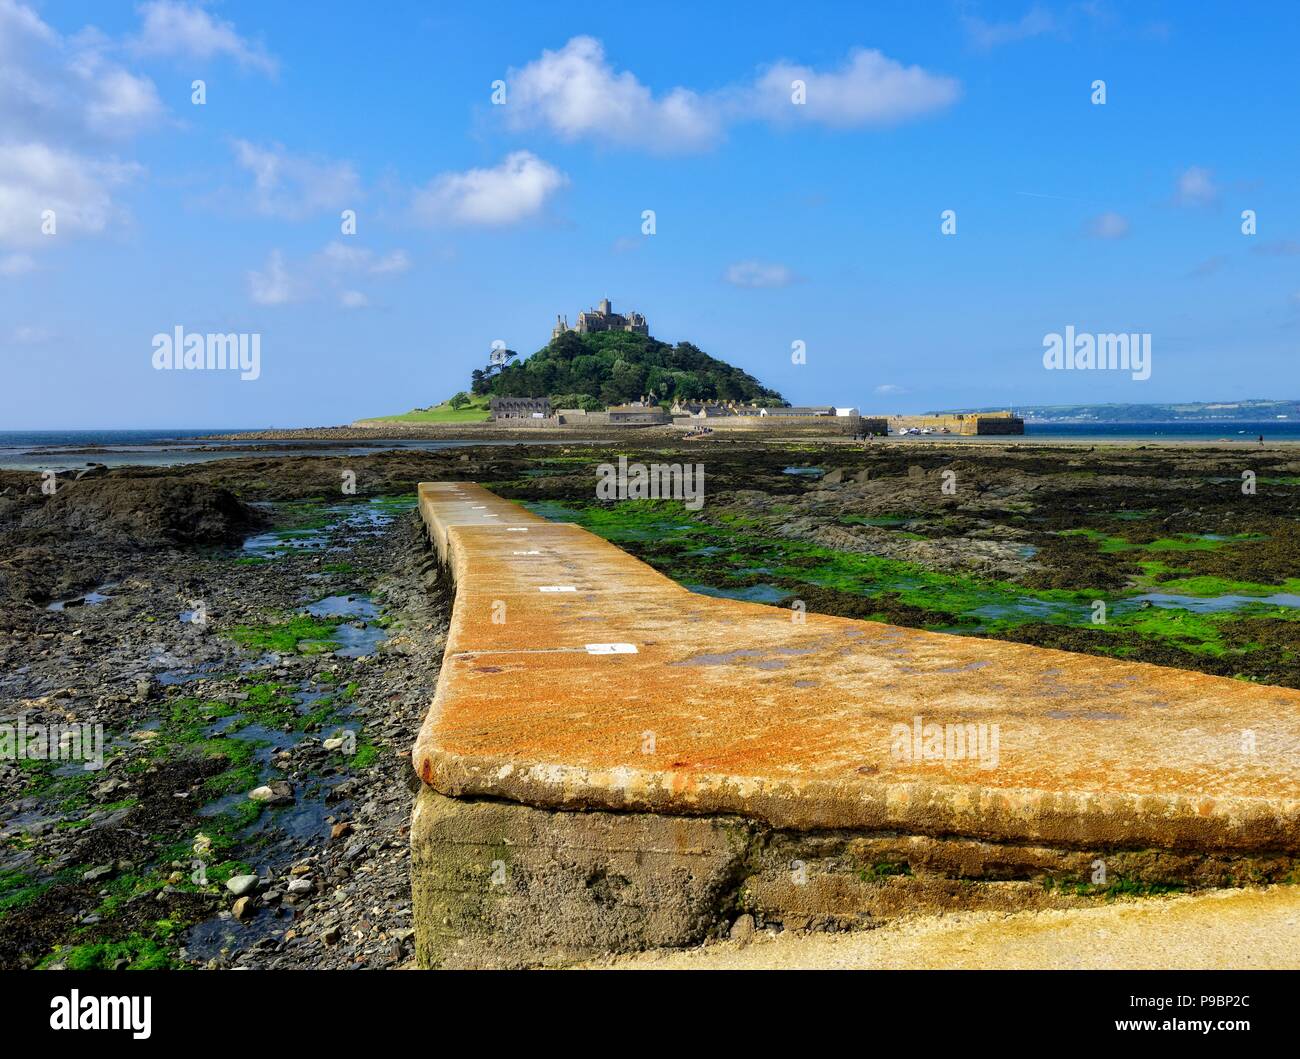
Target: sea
point(62, 450)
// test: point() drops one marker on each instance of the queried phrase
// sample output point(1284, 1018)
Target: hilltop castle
point(602, 318)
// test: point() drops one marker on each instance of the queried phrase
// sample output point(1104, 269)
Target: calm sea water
point(1272, 429)
point(64, 449)
point(61, 450)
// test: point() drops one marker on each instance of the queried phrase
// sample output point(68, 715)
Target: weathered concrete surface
point(728, 708)
point(500, 884)
point(1222, 930)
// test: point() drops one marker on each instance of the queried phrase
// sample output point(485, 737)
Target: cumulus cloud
point(172, 28)
point(65, 107)
point(577, 94)
point(513, 191)
point(35, 178)
point(869, 89)
point(1196, 187)
point(1108, 226)
point(66, 89)
point(294, 186)
point(759, 274)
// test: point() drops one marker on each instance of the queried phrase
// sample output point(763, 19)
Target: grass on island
point(474, 412)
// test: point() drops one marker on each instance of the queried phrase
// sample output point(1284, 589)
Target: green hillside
point(474, 411)
point(613, 367)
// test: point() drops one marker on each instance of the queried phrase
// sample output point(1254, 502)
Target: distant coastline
point(32, 449)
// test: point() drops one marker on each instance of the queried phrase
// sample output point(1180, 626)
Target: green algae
point(737, 555)
point(302, 633)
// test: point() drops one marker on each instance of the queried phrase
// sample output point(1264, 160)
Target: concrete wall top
point(603, 684)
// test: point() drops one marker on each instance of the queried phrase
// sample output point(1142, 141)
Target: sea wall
point(612, 762)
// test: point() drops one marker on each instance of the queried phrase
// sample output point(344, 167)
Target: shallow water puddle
point(89, 599)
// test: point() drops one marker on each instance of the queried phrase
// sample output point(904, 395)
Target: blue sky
point(775, 222)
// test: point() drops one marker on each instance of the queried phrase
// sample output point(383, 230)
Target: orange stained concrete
point(576, 676)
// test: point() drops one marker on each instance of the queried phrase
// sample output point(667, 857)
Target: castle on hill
point(602, 318)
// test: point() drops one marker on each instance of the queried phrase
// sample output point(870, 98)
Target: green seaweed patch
point(301, 633)
point(137, 952)
point(18, 889)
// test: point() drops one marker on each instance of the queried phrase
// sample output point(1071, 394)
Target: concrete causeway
point(578, 678)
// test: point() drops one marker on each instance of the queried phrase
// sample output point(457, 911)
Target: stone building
point(638, 415)
point(602, 318)
point(519, 407)
point(700, 409)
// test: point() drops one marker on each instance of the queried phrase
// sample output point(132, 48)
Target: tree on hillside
point(616, 367)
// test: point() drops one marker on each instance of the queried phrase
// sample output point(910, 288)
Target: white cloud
point(35, 178)
point(577, 94)
point(869, 89)
point(331, 272)
point(1196, 187)
point(272, 285)
point(513, 191)
point(64, 89)
point(1108, 226)
point(986, 35)
point(342, 258)
point(888, 388)
point(759, 274)
point(63, 106)
point(171, 28)
point(293, 186)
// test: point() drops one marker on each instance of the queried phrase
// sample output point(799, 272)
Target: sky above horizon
point(775, 221)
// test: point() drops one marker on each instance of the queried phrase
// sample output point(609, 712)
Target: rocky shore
point(259, 638)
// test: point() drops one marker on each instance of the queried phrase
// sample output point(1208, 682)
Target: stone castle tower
point(602, 318)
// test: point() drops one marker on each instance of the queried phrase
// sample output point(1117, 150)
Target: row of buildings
point(537, 412)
